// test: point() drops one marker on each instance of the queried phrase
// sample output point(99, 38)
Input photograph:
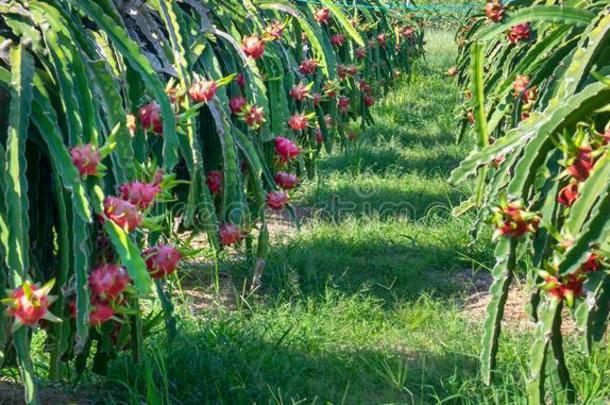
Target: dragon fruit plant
point(106, 133)
point(534, 99)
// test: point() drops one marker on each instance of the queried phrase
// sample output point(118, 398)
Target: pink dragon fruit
point(520, 32)
point(287, 181)
point(237, 104)
point(122, 212)
point(101, 312)
point(108, 281)
point(254, 117)
point(253, 46)
point(337, 40)
point(322, 15)
point(285, 149)
point(495, 10)
point(299, 92)
point(343, 103)
point(161, 260)
point(277, 199)
point(298, 122)
point(361, 53)
point(368, 100)
point(86, 158)
point(214, 181)
point(150, 118)
point(309, 66)
point(29, 304)
point(202, 91)
point(139, 194)
point(230, 234)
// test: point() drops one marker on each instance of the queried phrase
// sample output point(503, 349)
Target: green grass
point(362, 306)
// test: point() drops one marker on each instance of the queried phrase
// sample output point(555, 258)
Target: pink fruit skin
point(237, 104)
point(28, 311)
point(139, 194)
point(214, 181)
point(101, 312)
point(308, 66)
point(298, 122)
point(253, 46)
point(161, 260)
point(86, 159)
point(287, 181)
point(277, 199)
point(286, 149)
point(229, 234)
point(203, 91)
point(108, 281)
point(122, 212)
point(150, 118)
point(298, 92)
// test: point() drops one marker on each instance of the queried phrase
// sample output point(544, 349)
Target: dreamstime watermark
point(364, 201)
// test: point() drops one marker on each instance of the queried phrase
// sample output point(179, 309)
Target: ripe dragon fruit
point(382, 40)
point(275, 31)
point(277, 199)
point(568, 195)
point(202, 91)
point(520, 84)
point(495, 10)
point(337, 40)
point(161, 260)
point(285, 149)
point(298, 122)
point(287, 181)
point(86, 158)
point(309, 66)
point(407, 32)
point(322, 15)
point(319, 136)
point(519, 32)
point(230, 234)
point(122, 212)
point(368, 100)
point(592, 264)
point(512, 221)
point(343, 103)
point(254, 117)
point(237, 104)
point(581, 168)
point(352, 136)
point(365, 87)
point(360, 53)
point(567, 289)
point(139, 194)
point(241, 80)
point(29, 304)
point(299, 92)
point(101, 312)
point(253, 46)
point(214, 180)
point(108, 281)
point(317, 97)
point(150, 118)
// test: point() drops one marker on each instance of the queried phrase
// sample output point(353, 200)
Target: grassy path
point(363, 306)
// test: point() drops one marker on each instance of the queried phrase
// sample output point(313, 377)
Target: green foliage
point(541, 95)
point(116, 80)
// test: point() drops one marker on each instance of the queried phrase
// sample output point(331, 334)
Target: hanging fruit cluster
point(125, 121)
point(536, 98)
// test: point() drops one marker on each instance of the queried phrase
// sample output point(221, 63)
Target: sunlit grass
point(361, 306)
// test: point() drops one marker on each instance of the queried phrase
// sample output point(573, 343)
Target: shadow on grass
point(394, 261)
point(236, 361)
point(364, 157)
